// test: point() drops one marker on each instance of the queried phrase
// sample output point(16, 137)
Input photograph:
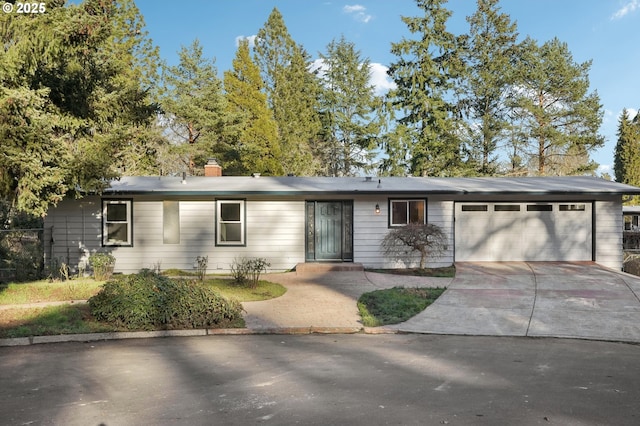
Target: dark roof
point(241, 185)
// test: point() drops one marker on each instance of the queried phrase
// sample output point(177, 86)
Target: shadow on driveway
point(555, 299)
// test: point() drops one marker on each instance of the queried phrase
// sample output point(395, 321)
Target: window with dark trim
point(539, 207)
point(117, 223)
point(572, 207)
point(403, 212)
point(230, 222)
point(474, 207)
point(506, 208)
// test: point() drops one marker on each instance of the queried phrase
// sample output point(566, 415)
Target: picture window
point(404, 212)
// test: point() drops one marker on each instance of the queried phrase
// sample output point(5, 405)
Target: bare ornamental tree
point(427, 239)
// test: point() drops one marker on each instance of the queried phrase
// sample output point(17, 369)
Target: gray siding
point(608, 227)
point(275, 231)
point(72, 232)
point(370, 229)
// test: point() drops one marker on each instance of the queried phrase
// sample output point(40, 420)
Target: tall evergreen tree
point(396, 144)
point(490, 58)
point(426, 74)
point(292, 92)
point(558, 117)
point(348, 106)
point(72, 96)
point(193, 106)
point(253, 145)
point(627, 152)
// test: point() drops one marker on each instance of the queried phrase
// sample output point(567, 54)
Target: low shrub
point(150, 301)
point(102, 264)
point(201, 267)
point(247, 271)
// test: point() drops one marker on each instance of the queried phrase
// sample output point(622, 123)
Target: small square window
point(230, 212)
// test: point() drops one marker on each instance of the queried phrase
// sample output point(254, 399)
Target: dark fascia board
point(356, 192)
point(391, 186)
point(276, 193)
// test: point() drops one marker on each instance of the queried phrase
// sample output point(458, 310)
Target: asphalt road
point(322, 380)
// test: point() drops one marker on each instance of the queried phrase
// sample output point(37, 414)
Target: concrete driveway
point(556, 299)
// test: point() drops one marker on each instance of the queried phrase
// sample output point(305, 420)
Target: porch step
point(302, 268)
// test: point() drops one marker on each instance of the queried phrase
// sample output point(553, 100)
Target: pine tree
point(72, 96)
point(558, 117)
point(396, 143)
point(426, 74)
point(292, 92)
point(253, 145)
point(491, 53)
point(348, 106)
point(193, 107)
point(627, 152)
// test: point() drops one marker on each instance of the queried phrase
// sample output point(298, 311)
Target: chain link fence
point(21, 254)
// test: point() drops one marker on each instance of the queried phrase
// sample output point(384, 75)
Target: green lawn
point(51, 320)
point(76, 318)
point(395, 305)
point(264, 291)
point(45, 291)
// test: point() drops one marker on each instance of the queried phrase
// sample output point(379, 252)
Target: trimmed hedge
point(147, 301)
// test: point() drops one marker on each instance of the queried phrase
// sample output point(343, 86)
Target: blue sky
point(604, 31)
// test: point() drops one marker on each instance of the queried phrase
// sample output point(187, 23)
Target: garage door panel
point(523, 231)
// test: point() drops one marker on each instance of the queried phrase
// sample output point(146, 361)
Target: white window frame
point(128, 221)
point(407, 201)
point(219, 222)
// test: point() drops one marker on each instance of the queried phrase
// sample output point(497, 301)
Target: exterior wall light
point(377, 210)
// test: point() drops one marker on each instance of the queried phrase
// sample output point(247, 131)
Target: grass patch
point(265, 290)
point(444, 272)
point(45, 291)
point(178, 273)
point(395, 305)
point(48, 321)
point(84, 288)
point(77, 318)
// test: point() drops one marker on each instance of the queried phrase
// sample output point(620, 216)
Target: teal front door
point(329, 231)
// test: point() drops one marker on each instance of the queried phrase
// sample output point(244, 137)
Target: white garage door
point(523, 231)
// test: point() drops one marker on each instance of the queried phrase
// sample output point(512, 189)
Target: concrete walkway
point(555, 299)
point(324, 301)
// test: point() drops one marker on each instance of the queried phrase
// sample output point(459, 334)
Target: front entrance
point(329, 235)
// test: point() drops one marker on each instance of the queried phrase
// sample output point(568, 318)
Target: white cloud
point(358, 12)
point(631, 113)
point(629, 7)
point(251, 39)
point(380, 79)
point(604, 169)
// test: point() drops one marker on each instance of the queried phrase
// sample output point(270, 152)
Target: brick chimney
point(212, 168)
